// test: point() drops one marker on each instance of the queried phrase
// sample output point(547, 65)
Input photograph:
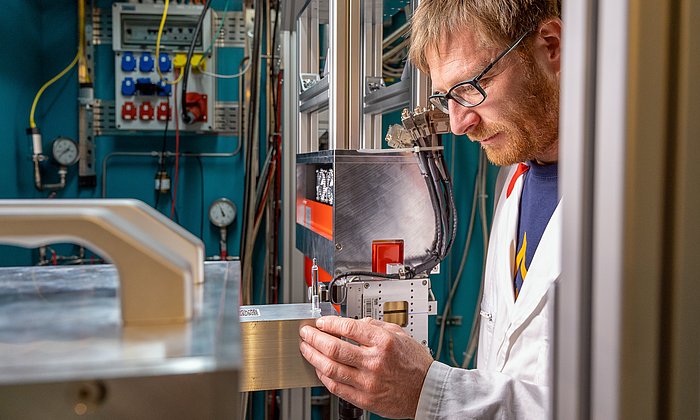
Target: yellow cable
point(81, 30)
point(160, 35)
point(83, 74)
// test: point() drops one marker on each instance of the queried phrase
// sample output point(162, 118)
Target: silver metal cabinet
point(64, 352)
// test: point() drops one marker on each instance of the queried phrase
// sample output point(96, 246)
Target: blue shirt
point(538, 201)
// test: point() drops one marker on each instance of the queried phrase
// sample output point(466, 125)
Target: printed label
point(249, 312)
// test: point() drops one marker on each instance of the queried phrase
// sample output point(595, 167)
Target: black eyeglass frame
point(437, 98)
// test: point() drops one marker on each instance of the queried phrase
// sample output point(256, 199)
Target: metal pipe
point(155, 154)
point(62, 172)
point(61, 184)
point(111, 155)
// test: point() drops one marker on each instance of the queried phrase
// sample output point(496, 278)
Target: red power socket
point(146, 111)
point(128, 111)
point(196, 106)
point(164, 111)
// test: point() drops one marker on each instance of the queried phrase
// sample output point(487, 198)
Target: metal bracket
point(233, 32)
point(103, 118)
point(373, 84)
point(226, 118)
point(101, 26)
point(87, 176)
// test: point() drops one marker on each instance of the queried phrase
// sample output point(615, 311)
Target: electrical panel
point(143, 100)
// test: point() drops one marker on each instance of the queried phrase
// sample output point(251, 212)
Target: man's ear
point(547, 45)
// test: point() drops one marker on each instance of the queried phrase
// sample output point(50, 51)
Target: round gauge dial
point(222, 212)
point(65, 151)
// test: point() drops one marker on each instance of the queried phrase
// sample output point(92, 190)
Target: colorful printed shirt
point(537, 203)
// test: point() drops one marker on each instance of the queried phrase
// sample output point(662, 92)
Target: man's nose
point(462, 119)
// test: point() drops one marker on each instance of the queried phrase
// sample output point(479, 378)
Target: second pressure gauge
point(222, 212)
point(65, 151)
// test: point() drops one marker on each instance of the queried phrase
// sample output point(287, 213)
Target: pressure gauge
point(222, 212)
point(65, 151)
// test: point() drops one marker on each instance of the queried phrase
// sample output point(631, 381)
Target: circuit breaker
point(144, 94)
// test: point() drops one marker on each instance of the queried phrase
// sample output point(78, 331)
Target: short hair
point(500, 22)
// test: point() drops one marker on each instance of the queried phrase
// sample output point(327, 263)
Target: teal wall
point(464, 171)
point(39, 40)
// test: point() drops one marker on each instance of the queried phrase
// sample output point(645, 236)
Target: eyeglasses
point(469, 93)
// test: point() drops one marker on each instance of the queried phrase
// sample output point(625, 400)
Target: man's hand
point(384, 374)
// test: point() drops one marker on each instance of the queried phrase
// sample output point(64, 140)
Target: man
point(494, 65)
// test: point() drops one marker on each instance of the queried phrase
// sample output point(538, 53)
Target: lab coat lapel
point(502, 246)
point(544, 269)
point(506, 240)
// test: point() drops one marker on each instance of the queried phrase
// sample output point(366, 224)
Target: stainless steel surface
point(294, 403)
point(226, 118)
point(571, 339)
point(62, 345)
point(385, 299)
point(311, 21)
point(270, 342)
point(320, 88)
point(315, 103)
point(377, 196)
point(421, 84)
point(389, 98)
point(135, 237)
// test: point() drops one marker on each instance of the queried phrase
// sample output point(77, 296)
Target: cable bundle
point(424, 127)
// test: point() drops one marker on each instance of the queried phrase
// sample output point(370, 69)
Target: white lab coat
point(512, 376)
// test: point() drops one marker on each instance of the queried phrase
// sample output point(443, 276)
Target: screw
point(425, 343)
point(425, 282)
point(366, 285)
point(338, 246)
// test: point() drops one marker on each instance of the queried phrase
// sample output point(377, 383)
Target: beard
point(531, 129)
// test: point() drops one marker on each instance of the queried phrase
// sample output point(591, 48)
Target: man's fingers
point(344, 391)
point(332, 347)
point(358, 331)
point(330, 368)
point(391, 327)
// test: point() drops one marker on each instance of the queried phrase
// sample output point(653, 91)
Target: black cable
point(241, 107)
point(188, 63)
point(440, 204)
point(250, 129)
point(332, 283)
point(439, 185)
point(273, 81)
point(453, 211)
point(437, 244)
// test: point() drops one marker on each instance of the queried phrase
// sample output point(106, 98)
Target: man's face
point(518, 121)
